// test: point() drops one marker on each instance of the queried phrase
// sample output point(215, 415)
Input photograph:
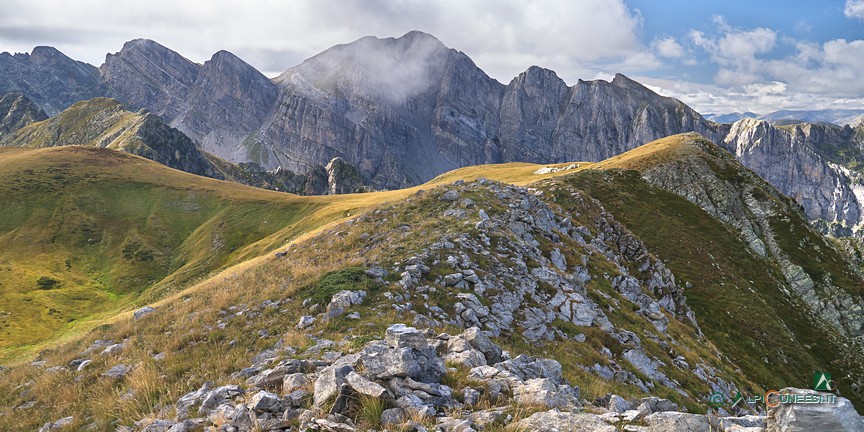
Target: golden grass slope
point(110, 231)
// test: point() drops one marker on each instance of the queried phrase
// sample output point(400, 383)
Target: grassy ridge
point(107, 231)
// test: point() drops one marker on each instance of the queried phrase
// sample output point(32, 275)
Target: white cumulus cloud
point(854, 9)
point(668, 47)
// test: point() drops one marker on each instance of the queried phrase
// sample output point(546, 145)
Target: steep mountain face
point(49, 78)
point(797, 160)
point(218, 104)
point(103, 122)
point(401, 110)
point(228, 103)
point(783, 268)
point(343, 102)
point(16, 111)
point(146, 75)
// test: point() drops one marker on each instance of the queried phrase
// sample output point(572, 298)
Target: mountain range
point(403, 110)
point(840, 117)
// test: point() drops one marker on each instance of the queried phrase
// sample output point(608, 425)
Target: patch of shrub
point(47, 283)
point(350, 278)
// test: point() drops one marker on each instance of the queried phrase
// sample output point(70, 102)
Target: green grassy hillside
point(86, 232)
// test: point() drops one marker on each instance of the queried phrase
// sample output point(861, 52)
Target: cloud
point(668, 47)
point(854, 9)
point(273, 35)
point(761, 98)
point(746, 57)
point(736, 51)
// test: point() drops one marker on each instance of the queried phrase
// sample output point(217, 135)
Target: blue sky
point(755, 55)
point(793, 21)
point(717, 56)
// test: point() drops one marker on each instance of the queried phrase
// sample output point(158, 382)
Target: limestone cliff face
point(771, 225)
point(147, 75)
point(218, 104)
point(404, 110)
point(49, 78)
point(16, 111)
point(229, 101)
point(790, 160)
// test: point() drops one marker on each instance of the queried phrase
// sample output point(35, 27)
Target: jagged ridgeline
point(668, 271)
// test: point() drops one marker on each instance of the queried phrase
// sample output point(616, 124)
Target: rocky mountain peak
point(625, 83)
point(389, 69)
point(145, 74)
point(49, 78)
point(47, 53)
point(538, 76)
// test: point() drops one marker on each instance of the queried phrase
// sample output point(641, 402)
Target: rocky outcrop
point(404, 371)
point(16, 111)
point(806, 410)
point(342, 177)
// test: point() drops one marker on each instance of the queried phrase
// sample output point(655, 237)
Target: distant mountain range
point(401, 111)
point(840, 117)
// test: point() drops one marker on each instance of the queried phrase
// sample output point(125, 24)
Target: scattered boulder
point(264, 401)
point(556, 421)
point(141, 313)
point(364, 386)
point(792, 417)
point(329, 381)
point(63, 423)
point(113, 349)
point(343, 300)
point(544, 392)
point(450, 195)
point(392, 417)
point(676, 421)
point(295, 381)
point(305, 322)
point(482, 343)
point(118, 371)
